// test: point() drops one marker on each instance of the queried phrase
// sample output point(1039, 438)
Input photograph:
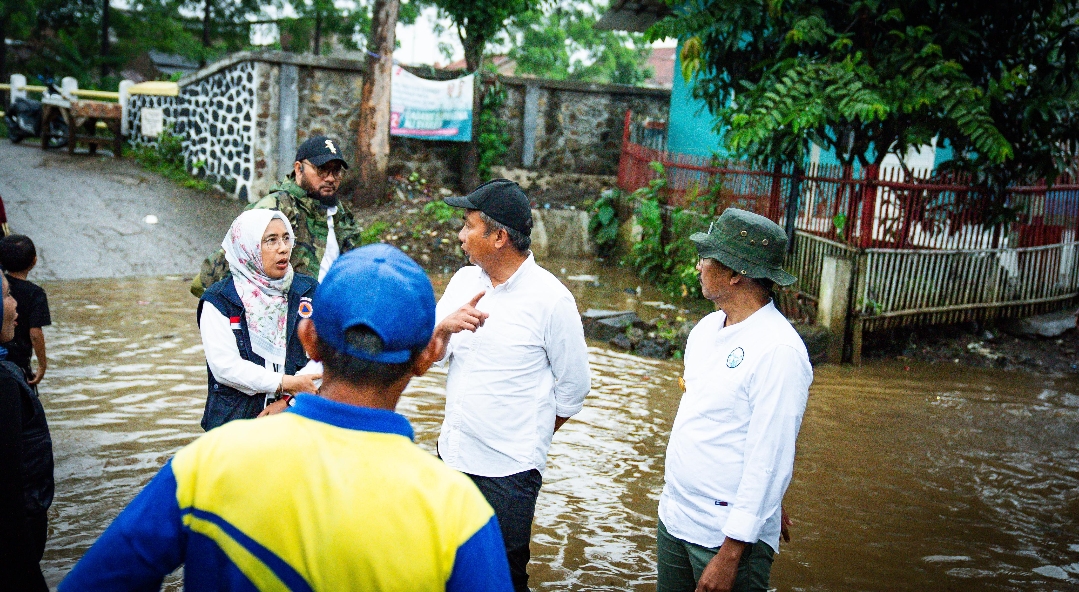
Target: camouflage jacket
point(308, 218)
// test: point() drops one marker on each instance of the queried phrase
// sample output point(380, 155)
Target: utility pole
point(104, 37)
point(373, 136)
point(318, 29)
point(206, 10)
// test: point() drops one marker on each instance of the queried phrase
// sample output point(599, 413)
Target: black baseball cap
point(318, 150)
point(502, 200)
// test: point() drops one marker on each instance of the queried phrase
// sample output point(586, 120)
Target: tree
point(373, 136)
point(223, 25)
point(477, 22)
point(562, 43)
point(869, 77)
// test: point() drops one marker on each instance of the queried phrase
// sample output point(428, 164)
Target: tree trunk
point(318, 30)
point(206, 9)
point(373, 135)
point(470, 161)
point(104, 38)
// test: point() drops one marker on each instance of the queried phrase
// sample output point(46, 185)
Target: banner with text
point(431, 109)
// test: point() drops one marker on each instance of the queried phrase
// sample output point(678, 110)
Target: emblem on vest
point(305, 308)
point(235, 323)
point(735, 357)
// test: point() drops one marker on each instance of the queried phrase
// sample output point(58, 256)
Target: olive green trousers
point(680, 564)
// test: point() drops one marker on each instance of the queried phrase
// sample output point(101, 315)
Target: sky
point(418, 43)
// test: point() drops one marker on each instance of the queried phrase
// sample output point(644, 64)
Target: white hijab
point(265, 300)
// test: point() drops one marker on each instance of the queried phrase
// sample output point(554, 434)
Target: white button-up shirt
point(333, 251)
point(510, 378)
point(731, 452)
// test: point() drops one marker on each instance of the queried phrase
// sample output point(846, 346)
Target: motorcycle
point(23, 120)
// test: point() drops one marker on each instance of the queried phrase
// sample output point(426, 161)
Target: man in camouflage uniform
point(308, 197)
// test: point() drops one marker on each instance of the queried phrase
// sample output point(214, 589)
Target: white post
point(67, 85)
point(834, 301)
point(18, 90)
point(124, 105)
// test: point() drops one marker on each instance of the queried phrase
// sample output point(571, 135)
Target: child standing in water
point(18, 256)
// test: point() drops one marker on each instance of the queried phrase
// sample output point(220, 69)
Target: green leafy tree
point(478, 22)
point(562, 43)
point(869, 77)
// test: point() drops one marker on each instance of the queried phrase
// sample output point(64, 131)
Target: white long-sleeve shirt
point(333, 251)
point(510, 378)
point(731, 453)
point(223, 357)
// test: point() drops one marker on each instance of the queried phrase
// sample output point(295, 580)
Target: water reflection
point(934, 478)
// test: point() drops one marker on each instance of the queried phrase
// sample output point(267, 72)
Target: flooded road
point(933, 478)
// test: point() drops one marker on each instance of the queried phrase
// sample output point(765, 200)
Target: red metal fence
point(867, 208)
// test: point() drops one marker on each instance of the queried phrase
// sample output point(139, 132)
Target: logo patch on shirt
point(735, 357)
point(719, 503)
point(305, 308)
point(235, 322)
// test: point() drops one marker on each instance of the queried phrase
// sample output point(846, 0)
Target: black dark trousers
point(28, 576)
point(513, 498)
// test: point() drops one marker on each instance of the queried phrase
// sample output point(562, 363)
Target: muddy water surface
point(932, 478)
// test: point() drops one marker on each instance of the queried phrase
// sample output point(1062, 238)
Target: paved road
point(87, 215)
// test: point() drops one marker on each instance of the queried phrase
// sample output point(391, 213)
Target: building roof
point(505, 65)
point(169, 64)
point(662, 62)
point(633, 15)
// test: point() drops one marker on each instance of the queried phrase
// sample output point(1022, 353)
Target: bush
point(668, 260)
point(167, 159)
point(603, 224)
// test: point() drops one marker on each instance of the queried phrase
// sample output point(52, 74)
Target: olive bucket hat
point(748, 243)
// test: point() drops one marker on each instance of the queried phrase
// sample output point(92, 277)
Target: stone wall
point(554, 127)
point(577, 126)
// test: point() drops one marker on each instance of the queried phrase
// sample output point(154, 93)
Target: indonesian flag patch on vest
point(235, 322)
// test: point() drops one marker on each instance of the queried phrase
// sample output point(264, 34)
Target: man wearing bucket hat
point(329, 495)
point(731, 452)
point(518, 362)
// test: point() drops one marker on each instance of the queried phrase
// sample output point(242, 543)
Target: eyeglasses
point(326, 172)
point(273, 242)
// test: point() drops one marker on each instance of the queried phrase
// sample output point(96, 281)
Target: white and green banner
point(431, 109)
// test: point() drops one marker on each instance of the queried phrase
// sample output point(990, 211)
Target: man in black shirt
point(18, 256)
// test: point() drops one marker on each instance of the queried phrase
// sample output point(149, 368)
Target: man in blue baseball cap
point(330, 495)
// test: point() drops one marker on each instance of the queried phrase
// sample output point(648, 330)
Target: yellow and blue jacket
point(326, 497)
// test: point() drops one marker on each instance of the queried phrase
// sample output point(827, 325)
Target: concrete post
point(834, 303)
point(528, 127)
point(125, 105)
point(18, 82)
point(67, 85)
point(288, 109)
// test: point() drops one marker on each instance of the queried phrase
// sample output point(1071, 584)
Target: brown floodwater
point(927, 478)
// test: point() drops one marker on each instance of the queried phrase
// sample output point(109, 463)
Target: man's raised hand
point(466, 318)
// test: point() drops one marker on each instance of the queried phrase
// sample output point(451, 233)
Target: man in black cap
point(323, 224)
point(518, 363)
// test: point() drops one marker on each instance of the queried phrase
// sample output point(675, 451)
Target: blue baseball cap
point(382, 288)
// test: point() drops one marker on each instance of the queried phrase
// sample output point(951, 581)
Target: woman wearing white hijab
point(249, 331)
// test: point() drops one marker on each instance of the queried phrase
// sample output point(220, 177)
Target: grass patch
point(441, 211)
point(373, 233)
point(167, 160)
